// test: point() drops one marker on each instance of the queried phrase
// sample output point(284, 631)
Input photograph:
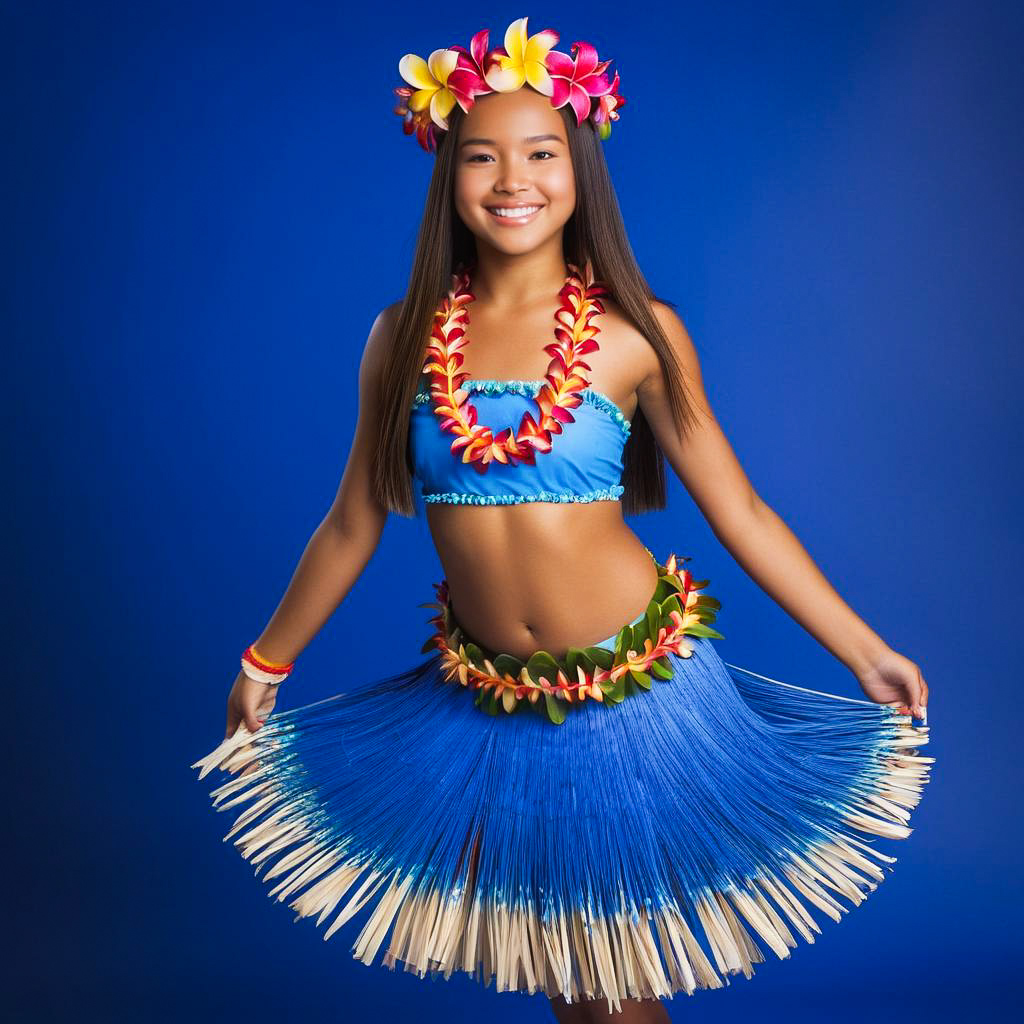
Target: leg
point(634, 1011)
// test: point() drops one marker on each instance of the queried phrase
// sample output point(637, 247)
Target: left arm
point(759, 540)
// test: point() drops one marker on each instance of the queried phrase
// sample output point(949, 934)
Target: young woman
point(573, 794)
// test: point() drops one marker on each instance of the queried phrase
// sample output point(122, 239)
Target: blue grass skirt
point(634, 851)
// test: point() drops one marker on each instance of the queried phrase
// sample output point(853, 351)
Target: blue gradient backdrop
point(207, 205)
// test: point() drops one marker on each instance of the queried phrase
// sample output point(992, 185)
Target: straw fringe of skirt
point(634, 851)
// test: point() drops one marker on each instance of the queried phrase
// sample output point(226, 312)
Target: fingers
point(252, 723)
point(256, 710)
point(919, 697)
point(258, 703)
point(251, 707)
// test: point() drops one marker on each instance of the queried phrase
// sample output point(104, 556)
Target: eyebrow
point(528, 139)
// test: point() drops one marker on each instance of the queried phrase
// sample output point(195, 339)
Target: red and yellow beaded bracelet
point(260, 670)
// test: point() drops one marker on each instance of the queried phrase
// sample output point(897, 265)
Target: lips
point(521, 218)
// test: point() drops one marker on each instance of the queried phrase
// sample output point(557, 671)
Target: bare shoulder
point(379, 341)
point(679, 341)
point(671, 322)
point(387, 318)
point(634, 361)
point(626, 359)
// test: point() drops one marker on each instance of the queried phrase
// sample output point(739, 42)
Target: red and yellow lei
point(552, 686)
point(565, 378)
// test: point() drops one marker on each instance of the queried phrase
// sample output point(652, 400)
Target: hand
point(893, 679)
point(249, 702)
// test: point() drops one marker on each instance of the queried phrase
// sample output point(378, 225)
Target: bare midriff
point(541, 575)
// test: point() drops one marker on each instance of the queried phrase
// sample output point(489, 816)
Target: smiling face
point(514, 182)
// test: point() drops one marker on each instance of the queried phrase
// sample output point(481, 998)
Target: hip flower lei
point(551, 686)
point(456, 74)
point(565, 379)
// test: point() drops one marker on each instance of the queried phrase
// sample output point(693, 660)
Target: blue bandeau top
point(584, 463)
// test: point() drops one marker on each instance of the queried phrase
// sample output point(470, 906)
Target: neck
point(511, 281)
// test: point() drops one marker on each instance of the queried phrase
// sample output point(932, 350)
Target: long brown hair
point(594, 231)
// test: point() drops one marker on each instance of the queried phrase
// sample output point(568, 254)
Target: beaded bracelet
point(262, 671)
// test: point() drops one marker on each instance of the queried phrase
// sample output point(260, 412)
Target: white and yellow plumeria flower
point(430, 80)
point(524, 60)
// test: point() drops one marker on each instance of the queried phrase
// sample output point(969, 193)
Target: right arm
point(337, 552)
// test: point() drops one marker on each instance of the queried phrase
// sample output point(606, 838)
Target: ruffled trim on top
point(612, 493)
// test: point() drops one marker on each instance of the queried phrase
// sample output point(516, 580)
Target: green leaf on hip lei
point(553, 687)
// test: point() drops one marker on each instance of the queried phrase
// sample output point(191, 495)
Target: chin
point(517, 240)
point(520, 249)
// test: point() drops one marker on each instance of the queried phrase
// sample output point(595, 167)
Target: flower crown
point(457, 75)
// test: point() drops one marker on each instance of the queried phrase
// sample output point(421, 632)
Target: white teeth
point(524, 211)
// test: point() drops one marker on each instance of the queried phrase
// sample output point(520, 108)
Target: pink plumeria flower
point(467, 80)
point(578, 80)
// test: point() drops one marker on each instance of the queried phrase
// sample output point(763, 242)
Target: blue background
point(207, 205)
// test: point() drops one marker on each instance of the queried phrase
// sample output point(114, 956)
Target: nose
point(511, 179)
point(510, 190)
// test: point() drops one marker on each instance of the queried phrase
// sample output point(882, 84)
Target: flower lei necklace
point(565, 379)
